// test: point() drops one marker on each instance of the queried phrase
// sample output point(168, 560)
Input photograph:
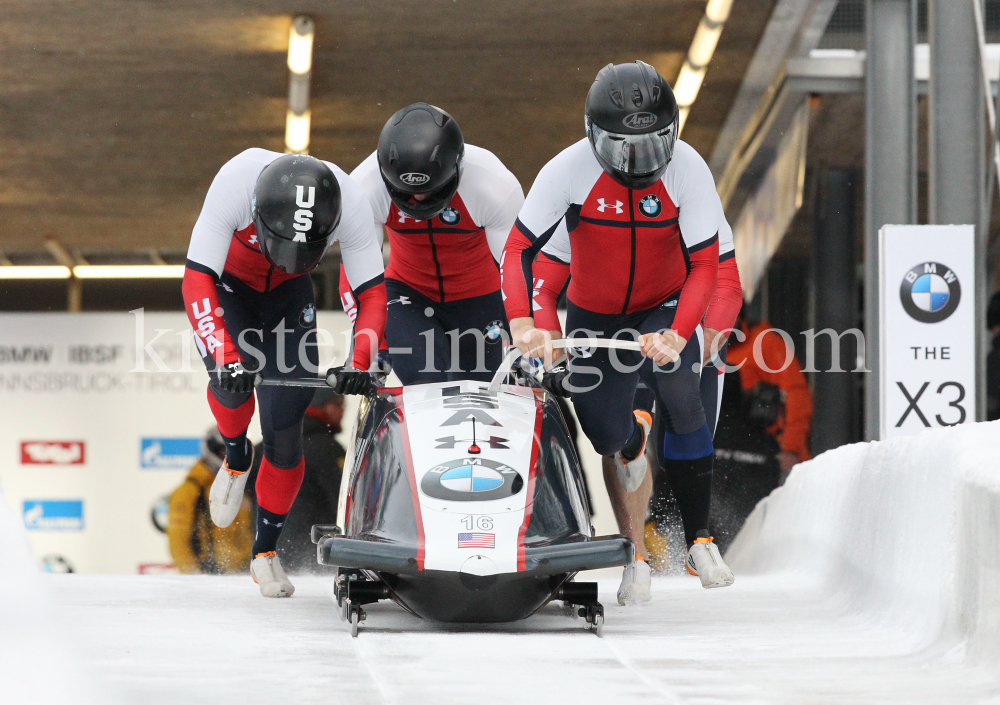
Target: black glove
point(347, 380)
point(233, 377)
point(553, 379)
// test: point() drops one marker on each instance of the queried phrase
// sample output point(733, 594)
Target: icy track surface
point(871, 576)
point(215, 640)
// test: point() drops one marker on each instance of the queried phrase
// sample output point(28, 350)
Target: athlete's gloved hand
point(233, 377)
point(348, 380)
point(554, 378)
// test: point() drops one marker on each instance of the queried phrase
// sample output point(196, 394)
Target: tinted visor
point(287, 255)
point(430, 204)
point(634, 154)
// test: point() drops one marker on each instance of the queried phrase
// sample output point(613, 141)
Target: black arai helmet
point(421, 153)
point(296, 208)
point(631, 119)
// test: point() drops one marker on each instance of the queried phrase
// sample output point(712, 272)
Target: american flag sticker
point(476, 540)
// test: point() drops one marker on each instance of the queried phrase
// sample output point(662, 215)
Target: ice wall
point(37, 665)
point(904, 533)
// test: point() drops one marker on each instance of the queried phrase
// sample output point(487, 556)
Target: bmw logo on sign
point(650, 206)
point(450, 216)
point(930, 292)
point(471, 480)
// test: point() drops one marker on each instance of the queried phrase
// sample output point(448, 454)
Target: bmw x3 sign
point(927, 343)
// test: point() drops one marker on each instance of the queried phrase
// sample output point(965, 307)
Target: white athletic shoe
point(226, 496)
point(705, 561)
point(631, 473)
point(266, 571)
point(635, 583)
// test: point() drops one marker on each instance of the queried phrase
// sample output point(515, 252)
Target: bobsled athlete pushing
point(464, 501)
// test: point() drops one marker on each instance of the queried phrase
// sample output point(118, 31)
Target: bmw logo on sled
point(464, 502)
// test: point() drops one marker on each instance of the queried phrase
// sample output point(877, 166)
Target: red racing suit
point(622, 250)
point(224, 240)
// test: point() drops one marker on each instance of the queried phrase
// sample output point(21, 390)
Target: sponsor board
point(927, 327)
point(169, 453)
point(53, 514)
point(53, 453)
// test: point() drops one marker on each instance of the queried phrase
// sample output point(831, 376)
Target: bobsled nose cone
point(479, 565)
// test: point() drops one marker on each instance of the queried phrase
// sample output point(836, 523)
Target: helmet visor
point(287, 255)
point(634, 154)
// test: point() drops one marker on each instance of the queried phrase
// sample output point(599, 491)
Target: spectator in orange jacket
point(794, 415)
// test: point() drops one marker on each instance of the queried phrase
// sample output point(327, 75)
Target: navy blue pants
point(604, 397)
point(604, 402)
point(420, 334)
point(269, 330)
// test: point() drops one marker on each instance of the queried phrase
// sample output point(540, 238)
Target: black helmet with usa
point(296, 207)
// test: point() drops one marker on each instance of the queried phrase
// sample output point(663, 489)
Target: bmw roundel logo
point(471, 480)
point(930, 292)
point(450, 216)
point(494, 331)
point(650, 206)
point(307, 316)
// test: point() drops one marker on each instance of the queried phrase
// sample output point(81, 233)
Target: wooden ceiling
point(116, 114)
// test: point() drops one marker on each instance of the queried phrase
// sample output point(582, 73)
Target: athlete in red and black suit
point(635, 216)
point(447, 208)
point(268, 219)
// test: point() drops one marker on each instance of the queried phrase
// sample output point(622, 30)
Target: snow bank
point(904, 533)
point(36, 664)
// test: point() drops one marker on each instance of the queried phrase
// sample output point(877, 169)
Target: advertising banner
point(927, 327)
point(101, 416)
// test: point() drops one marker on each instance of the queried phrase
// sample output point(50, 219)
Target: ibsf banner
point(927, 332)
point(101, 417)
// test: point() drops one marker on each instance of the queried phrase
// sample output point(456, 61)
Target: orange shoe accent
point(265, 553)
point(234, 473)
point(644, 415)
point(640, 558)
point(698, 540)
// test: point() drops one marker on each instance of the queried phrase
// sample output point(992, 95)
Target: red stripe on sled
point(529, 501)
point(413, 479)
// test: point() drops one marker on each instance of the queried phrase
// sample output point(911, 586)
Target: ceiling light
point(300, 45)
point(32, 272)
point(692, 74)
point(127, 271)
point(297, 132)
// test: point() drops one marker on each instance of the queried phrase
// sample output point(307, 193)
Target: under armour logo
point(402, 218)
point(253, 239)
point(402, 301)
point(535, 289)
point(601, 205)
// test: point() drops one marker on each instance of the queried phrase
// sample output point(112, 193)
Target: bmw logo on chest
point(450, 216)
point(930, 292)
point(308, 316)
point(471, 480)
point(650, 206)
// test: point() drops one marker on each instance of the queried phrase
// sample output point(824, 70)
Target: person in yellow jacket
point(196, 544)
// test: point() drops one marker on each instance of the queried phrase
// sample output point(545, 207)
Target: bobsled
point(464, 501)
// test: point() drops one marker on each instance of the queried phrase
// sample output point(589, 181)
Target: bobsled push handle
point(513, 354)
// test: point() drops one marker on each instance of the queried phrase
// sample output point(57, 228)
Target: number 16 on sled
point(927, 332)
